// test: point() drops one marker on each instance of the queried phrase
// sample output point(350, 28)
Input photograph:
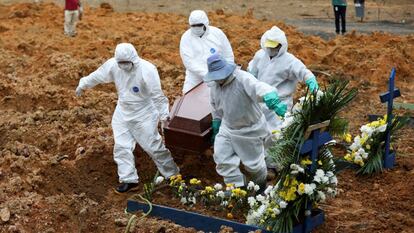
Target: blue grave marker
point(389, 157)
point(312, 146)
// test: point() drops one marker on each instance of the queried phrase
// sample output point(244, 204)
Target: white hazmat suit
point(194, 50)
point(243, 127)
point(283, 72)
point(141, 103)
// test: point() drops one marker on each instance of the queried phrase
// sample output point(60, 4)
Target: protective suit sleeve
point(158, 98)
point(252, 67)
point(254, 88)
point(227, 50)
point(102, 75)
point(298, 71)
point(189, 62)
point(215, 113)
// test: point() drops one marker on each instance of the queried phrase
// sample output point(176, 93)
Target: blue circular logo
point(135, 89)
point(212, 50)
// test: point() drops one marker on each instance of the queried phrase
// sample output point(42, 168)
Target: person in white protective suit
point(141, 104)
point(197, 44)
point(239, 126)
point(274, 65)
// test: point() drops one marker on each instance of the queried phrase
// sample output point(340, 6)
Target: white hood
point(275, 34)
point(197, 17)
point(126, 52)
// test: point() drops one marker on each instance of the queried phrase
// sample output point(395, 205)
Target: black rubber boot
point(126, 187)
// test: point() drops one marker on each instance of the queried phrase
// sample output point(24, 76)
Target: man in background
point(73, 13)
point(340, 15)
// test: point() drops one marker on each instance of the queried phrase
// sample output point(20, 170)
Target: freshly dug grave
point(56, 166)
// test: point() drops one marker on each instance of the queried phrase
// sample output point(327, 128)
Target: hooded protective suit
point(243, 127)
point(283, 72)
point(141, 103)
point(195, 50)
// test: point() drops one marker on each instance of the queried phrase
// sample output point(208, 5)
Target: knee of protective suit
point(120, 150)
point(257, 171)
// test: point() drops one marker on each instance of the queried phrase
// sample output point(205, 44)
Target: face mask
point(198, 31)
point(272, 51)
point(125, 66)
point(223, 81)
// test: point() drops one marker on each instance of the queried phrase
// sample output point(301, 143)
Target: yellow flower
point(348, 157)
point(195, 181)
point(286, 182)
point(368, 147)
point(209, 189)
point(293, 189)
point(230, 185)
point(301, 188)
point(230, 215)
point(320, 163)
point(282, 194)
point(305, 162)
point(269, 228)
point(348, 138)
point(294, 182)
point(238, 192)
point(364, 139)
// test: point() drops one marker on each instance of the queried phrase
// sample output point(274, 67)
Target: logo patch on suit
point(135, 89)
point(212, 50)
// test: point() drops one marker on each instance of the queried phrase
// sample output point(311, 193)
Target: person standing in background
point(73, 13)
point(359, 9)
point(340, 14)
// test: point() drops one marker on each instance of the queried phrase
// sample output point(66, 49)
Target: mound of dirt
point(56, 166)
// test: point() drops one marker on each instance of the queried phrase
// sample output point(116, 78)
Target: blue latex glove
point(215, 125)
point(273, 102)
point(312, 84)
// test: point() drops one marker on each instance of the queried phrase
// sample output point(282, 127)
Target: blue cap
point(218, 68)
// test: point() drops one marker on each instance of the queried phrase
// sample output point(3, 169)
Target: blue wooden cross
point(311, 146)
point(389, 158)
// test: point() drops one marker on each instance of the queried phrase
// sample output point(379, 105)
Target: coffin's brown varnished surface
point(189, 127)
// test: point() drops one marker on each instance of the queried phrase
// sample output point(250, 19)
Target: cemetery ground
point(56, 168)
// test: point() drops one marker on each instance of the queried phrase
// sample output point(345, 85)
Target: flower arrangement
point(298, 185)
point(368, 148)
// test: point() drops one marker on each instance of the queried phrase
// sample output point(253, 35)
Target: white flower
point(309, 188)
point(268, 190)
point(325, 179)
point(382, 128)
point(192, 200)
point(333, 180)
point(224, 203)
point(250, 185)
point(294, 172)
point(321, 196)
point(329, 174)
point(256, 187)
point(260, 198)
point(282, 204)
point(320, 173)
point(183, 200)
point(252, 201)
point(367, 130)
point(218, 186)
point(361, 152)
point(159, 180)
point(220, 194)
point(331, 191)
point(276, 211)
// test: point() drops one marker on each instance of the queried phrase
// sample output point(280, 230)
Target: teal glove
point(312, 84)
point(272, 101)
point(215, 125)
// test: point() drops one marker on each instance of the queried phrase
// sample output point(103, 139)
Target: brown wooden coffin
point(189, 127)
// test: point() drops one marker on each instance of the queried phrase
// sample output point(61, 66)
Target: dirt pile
point(57, 171)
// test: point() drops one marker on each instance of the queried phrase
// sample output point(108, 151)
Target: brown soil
point(56, 166)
